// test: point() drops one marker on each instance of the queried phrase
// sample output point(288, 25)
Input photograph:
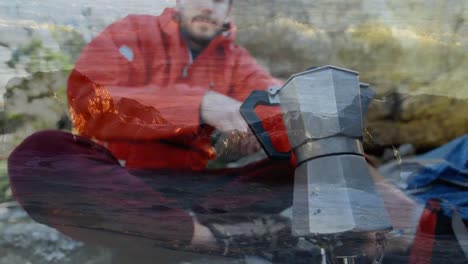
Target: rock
point(425, 121)
point(418, 73)
point(24, 241)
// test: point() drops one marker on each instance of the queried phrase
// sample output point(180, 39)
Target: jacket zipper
point(186, 67)
point(185, 70)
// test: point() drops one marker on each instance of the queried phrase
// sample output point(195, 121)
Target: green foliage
point(36, 102)
point(5, 192)
point(39, 101)
point(70, 43)
point(35, 57)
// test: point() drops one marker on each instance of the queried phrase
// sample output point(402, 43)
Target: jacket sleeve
point(249, 76)
point(109, 99)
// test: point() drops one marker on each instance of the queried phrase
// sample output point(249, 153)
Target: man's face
point(203, 19)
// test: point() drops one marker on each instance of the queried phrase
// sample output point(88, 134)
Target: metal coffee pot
point(335, 201)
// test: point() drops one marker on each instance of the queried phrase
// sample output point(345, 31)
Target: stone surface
point(23, 241)
point(425, 121)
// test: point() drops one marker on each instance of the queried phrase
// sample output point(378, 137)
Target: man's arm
point(131, 113)
point(249, 76)
point(223, 111)
point(110, 99)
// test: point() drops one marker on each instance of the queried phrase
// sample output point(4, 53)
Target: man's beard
point(203, 41)
point(199, 41)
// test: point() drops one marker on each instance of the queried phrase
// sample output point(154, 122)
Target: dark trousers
point(71, 183)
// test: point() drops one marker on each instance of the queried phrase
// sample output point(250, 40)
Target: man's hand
point(233, 145)
point(236, 139)
point(222, 112)
point(250, 233)
point(202, 237)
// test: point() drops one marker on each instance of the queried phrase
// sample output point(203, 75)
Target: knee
point(23, 161)
point(50, 152)
point(38, 145)
point(50, 144)
point(41, 143)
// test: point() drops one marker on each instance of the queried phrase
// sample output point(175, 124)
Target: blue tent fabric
point(446, 172)
point(449, 163)
point(441, 173)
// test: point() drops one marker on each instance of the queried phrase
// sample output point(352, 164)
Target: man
point(160, 78)
point(153, 92)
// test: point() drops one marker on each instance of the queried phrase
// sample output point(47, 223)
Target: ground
point(23, 241)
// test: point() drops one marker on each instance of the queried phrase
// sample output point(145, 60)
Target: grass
point(5, 193)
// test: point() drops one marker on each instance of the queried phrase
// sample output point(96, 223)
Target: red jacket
point(134, 88)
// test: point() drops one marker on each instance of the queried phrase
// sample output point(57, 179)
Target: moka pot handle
point(247, 111)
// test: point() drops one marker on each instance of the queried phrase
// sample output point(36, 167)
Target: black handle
point(247, 111)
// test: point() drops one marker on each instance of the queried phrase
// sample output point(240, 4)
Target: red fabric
point(143, 108)
point(421, 252)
